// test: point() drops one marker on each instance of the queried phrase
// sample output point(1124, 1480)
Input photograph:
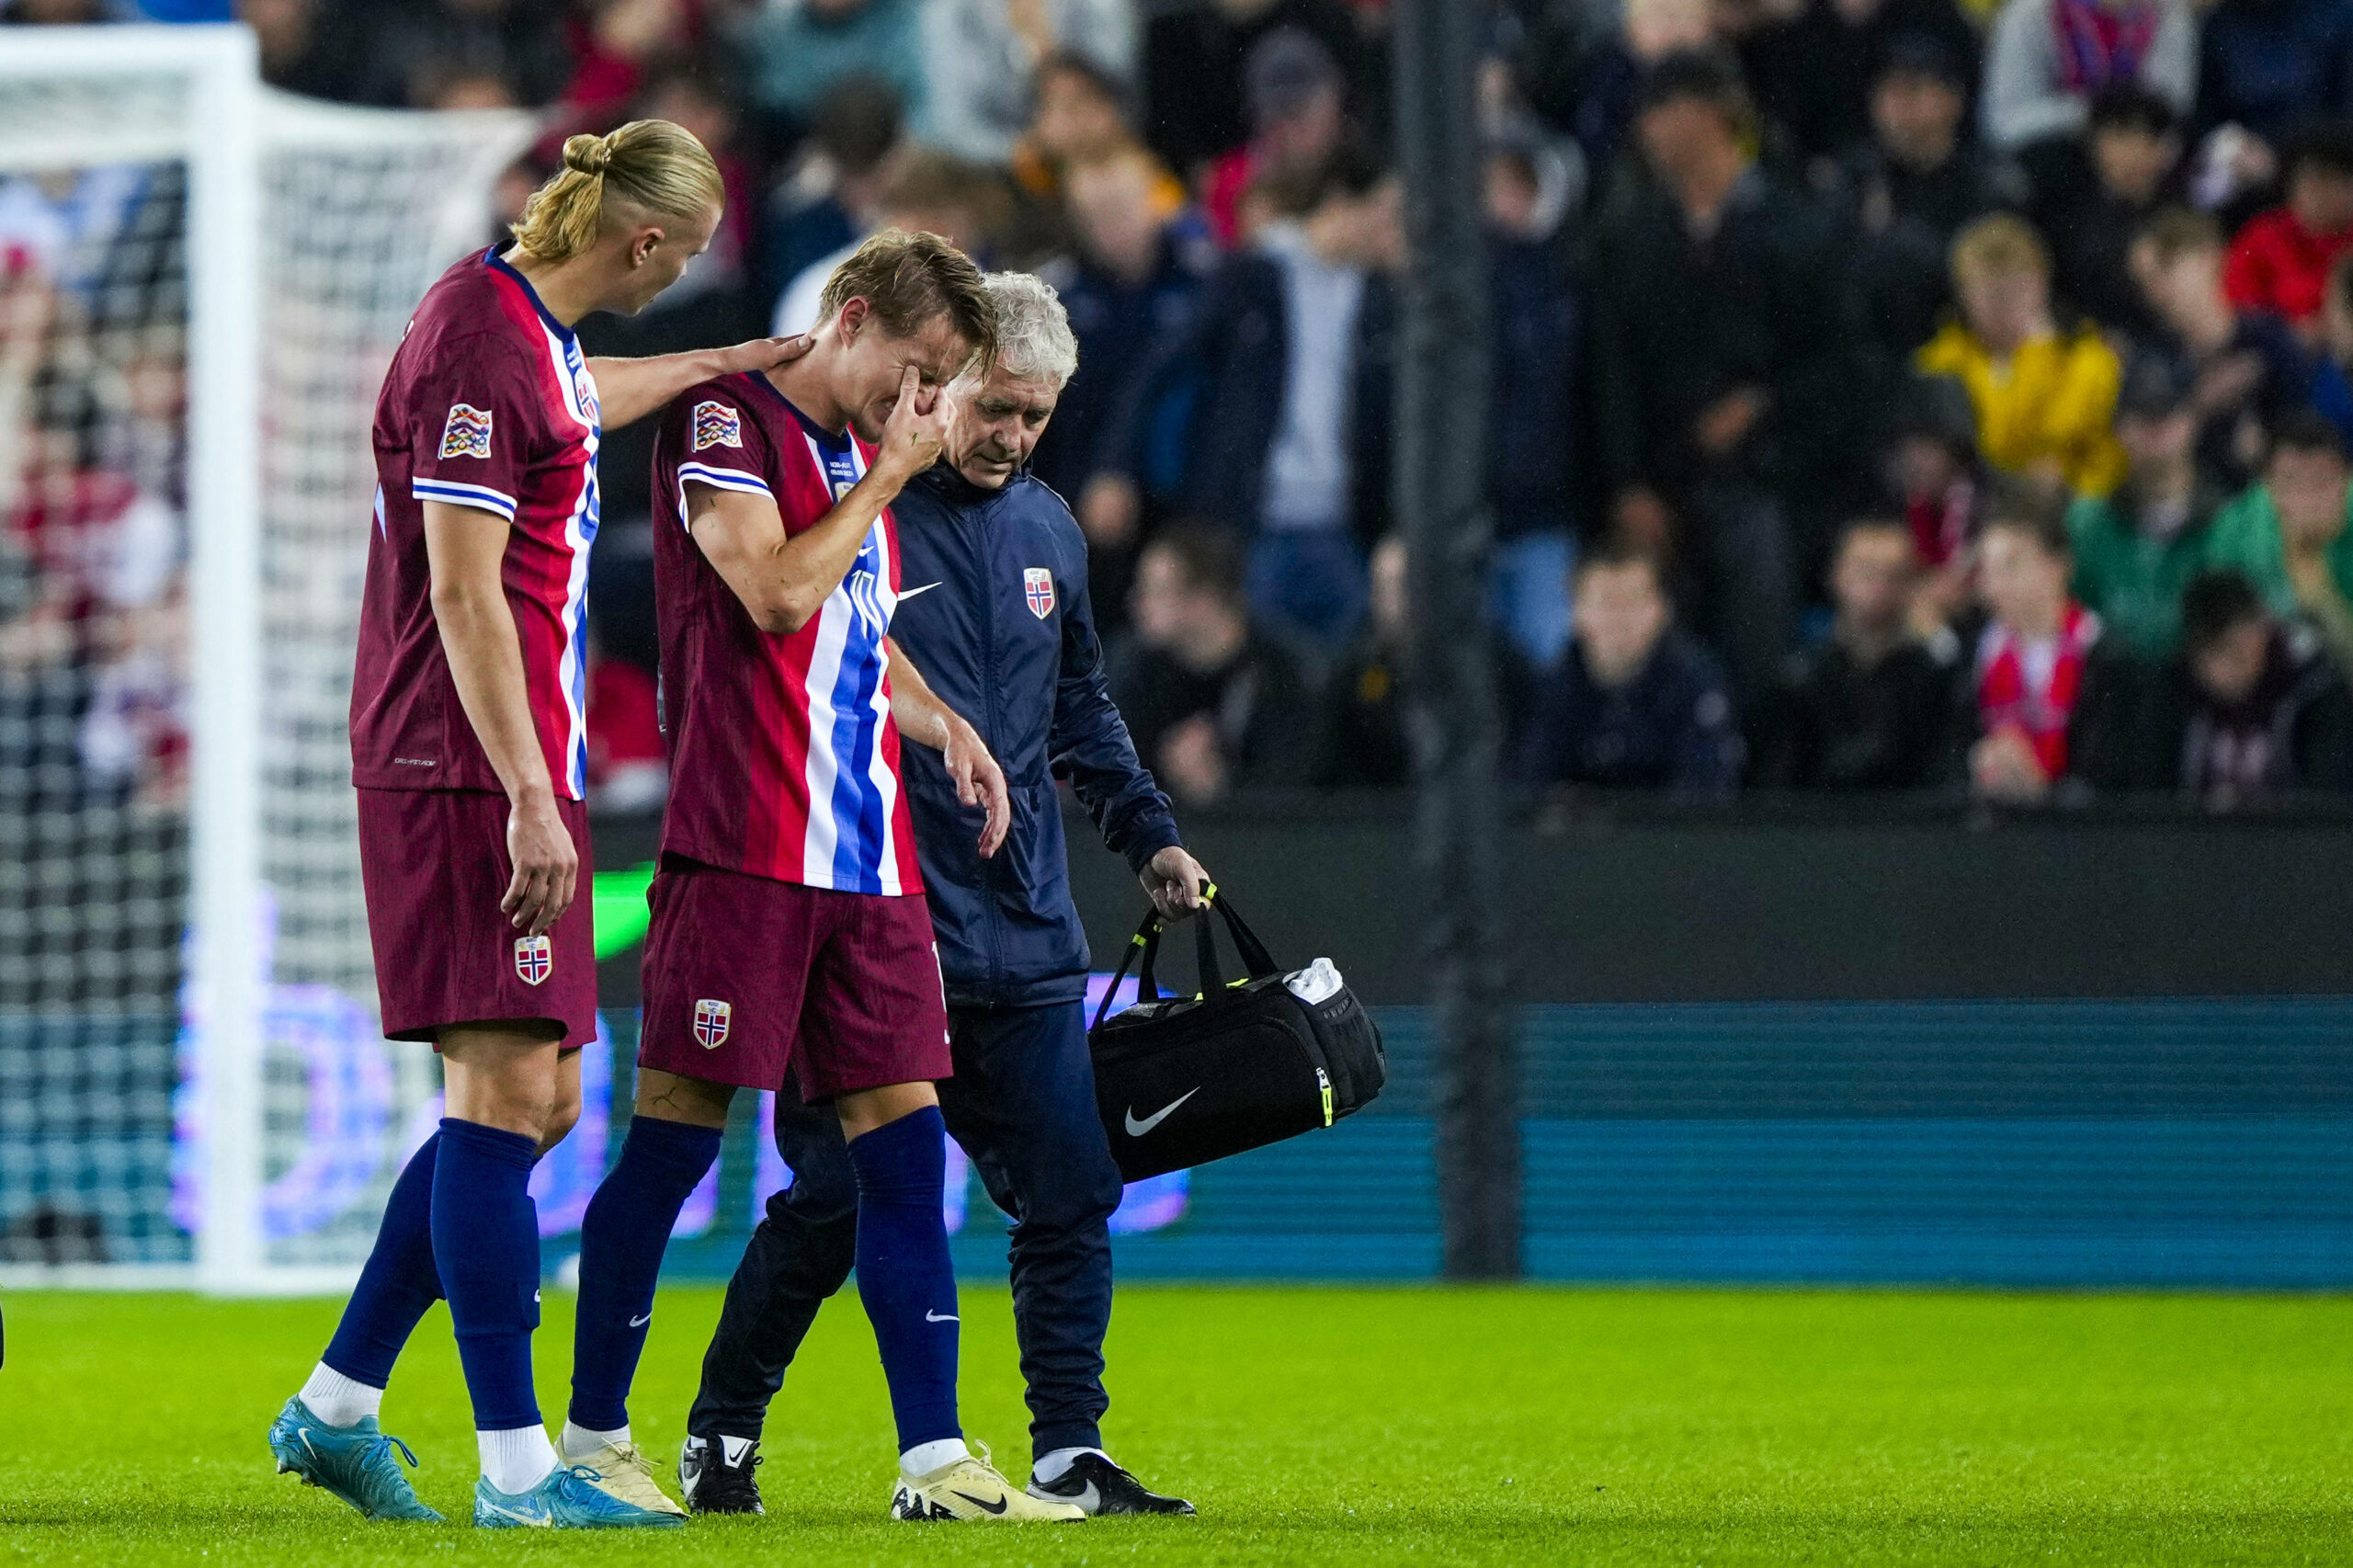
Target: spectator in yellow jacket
point(2045, 401)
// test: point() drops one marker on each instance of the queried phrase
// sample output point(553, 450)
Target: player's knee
point(531, 1116)
point(867, 1110)
point(521, 1108)
point(562, 1115)
point(500, 1078)
point(670, 1096)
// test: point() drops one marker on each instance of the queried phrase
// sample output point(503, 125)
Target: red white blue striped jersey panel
point(784, 759)
point(488, 404)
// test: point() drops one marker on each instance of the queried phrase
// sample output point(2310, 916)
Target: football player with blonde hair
point(469, 746)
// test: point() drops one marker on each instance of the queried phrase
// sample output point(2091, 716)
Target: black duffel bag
point(1184, 1081)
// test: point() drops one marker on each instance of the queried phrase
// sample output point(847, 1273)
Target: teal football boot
point(569, 1499)
point(354, 1463)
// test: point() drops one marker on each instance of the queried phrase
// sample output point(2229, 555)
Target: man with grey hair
point(995, 612)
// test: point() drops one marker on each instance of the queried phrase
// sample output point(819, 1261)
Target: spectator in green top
point(2289, 534)
point(2136, 550)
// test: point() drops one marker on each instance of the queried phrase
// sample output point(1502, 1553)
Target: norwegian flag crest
point(1037, 587)
point(466, 433)
point(717, 425)
point(711, 1022)
point(534, 959)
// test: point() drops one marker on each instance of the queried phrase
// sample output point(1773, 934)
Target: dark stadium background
point(2106, 1051)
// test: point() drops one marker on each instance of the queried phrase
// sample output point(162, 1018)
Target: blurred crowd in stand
point(1887, 394)
point(93, 587)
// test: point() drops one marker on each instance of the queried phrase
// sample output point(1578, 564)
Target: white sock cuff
point(925, 1457)
point(339, 1400)
point(1052, 1467)
point(579, 1442)
point(517, 1460)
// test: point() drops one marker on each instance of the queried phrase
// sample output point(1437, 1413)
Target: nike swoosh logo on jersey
point(996, 1507)
point(906, 594)
point(641, 1323)
point(1138, 1129)
point(930, 1316)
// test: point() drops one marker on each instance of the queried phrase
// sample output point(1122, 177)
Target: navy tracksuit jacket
point(1004, 639)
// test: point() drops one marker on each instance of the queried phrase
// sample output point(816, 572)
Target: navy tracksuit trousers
point(1022, 1105)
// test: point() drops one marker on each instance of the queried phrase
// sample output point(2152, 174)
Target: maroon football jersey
point(489, 405)
point(784, 759)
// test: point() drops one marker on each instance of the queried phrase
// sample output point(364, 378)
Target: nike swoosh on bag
point(1138, 1129)
point(997, 1508)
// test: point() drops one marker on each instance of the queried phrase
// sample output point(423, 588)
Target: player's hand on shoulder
point(765, 353)
point(979, 781)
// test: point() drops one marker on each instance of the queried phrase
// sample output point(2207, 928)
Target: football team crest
point(711, 1020)
point(534, 959)
point(1037, 587)
point(466, 433)
point(717, 425)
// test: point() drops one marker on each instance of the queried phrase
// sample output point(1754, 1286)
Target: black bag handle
point(1209, 975)
point(1257, 962)
point(1253, 952)
point(1145, 941)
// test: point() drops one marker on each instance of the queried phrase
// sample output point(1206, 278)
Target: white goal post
point(308, 232)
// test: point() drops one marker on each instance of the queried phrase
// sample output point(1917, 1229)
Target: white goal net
point(200, 284)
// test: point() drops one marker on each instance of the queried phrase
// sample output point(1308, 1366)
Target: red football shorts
point(434, 866)
point(747, 977)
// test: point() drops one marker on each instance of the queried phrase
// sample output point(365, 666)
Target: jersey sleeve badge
point(718, 424)
point(467, 432)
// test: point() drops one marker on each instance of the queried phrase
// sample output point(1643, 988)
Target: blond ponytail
point(651, 168)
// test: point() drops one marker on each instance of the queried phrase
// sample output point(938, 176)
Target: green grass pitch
point(1328, 1427)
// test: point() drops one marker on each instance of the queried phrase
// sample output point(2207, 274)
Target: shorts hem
point(858, 1083)
point(739, 1080)
point(431, 1034)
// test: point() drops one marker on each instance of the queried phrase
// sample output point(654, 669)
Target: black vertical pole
point(1441, 452)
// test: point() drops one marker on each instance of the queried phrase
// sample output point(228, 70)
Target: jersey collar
point(823, 438)
point(497, 263)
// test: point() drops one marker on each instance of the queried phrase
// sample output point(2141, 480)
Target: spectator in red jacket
point(2047, 706)
point(2279, 261)
point(1298, 104)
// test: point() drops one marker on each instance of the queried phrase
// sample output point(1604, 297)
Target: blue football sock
point(399, 1284)
point(621, 1238)
point(903, 1273)
point(486, 1246)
